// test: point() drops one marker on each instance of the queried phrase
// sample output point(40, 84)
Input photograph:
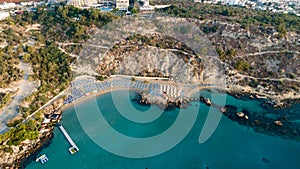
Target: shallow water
point(231, 146)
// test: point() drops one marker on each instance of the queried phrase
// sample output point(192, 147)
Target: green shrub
point(241, 65)
point(8, 150)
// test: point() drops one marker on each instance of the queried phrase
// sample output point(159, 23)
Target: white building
point(77, 3)
point(4, 15)
point(28, 3)
point(92, 2)
point(7, 5)
point(105, 1)
point(122, 4)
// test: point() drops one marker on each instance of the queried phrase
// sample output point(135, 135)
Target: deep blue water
point(231, 146)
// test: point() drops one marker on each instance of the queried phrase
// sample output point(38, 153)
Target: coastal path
point(47, 104)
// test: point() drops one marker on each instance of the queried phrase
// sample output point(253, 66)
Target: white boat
point(43, 158)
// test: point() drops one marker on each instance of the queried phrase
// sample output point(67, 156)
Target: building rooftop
point(8, 1)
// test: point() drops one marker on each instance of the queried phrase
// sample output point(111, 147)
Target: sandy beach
point(93, 95)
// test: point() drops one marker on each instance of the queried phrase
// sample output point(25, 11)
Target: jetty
point(73, 149)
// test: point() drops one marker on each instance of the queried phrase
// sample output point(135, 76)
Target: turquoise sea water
point(231, 146)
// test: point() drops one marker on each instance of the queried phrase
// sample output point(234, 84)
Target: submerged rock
point(278, 123)
point(240, 114)
point(265, 160)
point(205, 100)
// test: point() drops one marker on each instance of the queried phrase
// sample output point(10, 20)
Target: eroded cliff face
point(154, 62)
point(157, 55)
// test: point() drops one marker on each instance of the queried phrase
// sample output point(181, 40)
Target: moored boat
point(43, 158)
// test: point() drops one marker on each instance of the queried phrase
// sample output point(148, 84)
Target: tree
point(29, 49)
point(221, 53)
point(79, 30)
point(26, 57)
point(94, 14)
point(282, 30)
point(101, 78)
point(64, 12)
point(134, 10)
point(8, 149)
point(241, 65)
point(231, 53)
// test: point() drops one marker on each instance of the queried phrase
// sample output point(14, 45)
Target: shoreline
point(281, 100)
point(31, 157)
point(28, 156)
point(243, 121)
point(275, 97)
point(90, 96)
point(277, 104)
point(282, 103)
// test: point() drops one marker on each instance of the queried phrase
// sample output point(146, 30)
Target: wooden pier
point(73, 149)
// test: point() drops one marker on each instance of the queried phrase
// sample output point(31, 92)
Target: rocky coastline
point(164, 102)
point(32, 154)
point(30, 148)
point(276, 121)
point(281, 124)
point(269, 101)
